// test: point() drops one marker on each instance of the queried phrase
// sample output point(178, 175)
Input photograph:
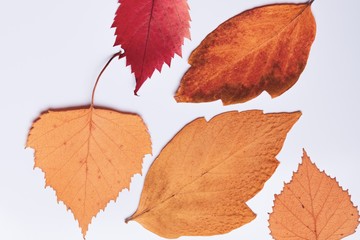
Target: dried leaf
point(263, 49)
point(151, 32)
point(313, 206)
point(200, 182)
point(88, 156)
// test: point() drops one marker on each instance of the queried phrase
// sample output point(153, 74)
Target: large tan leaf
point(88, 156)
point(313, 206)
point(262, 49)
point(200, 182)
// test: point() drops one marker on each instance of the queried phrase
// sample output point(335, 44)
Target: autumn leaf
point(313, 206)
point(262, 49)
point(200, 182)
point(151, 32)
point(88, 156)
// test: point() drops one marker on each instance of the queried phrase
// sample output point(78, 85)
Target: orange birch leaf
point(88, 156)
point(262, 49)
point(200, 182)
point(313, 206)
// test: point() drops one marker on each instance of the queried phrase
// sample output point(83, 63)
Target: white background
point(51, 52)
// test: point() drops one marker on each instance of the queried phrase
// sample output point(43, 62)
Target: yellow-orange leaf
point(88, 156)
point(313, 206)
point(200, 182)
point(263, 49)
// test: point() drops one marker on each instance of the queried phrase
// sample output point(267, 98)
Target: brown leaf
point(88, 156)
point(200, 182)
point(313, 206)
point(263, 49)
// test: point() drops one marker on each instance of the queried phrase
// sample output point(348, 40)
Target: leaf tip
point(298, 114)
point(177, 98)
point(305, 153)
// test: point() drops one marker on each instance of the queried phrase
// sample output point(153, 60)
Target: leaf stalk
point(118, 54)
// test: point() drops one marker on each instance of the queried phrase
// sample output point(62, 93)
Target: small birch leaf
point(313, 206)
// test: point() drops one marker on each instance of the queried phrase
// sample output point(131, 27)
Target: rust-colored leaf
point(88, 156)
point(263, 49)
point(313, 206)
point(200, 182)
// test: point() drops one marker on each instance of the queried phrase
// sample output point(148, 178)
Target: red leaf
point(151, 32)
